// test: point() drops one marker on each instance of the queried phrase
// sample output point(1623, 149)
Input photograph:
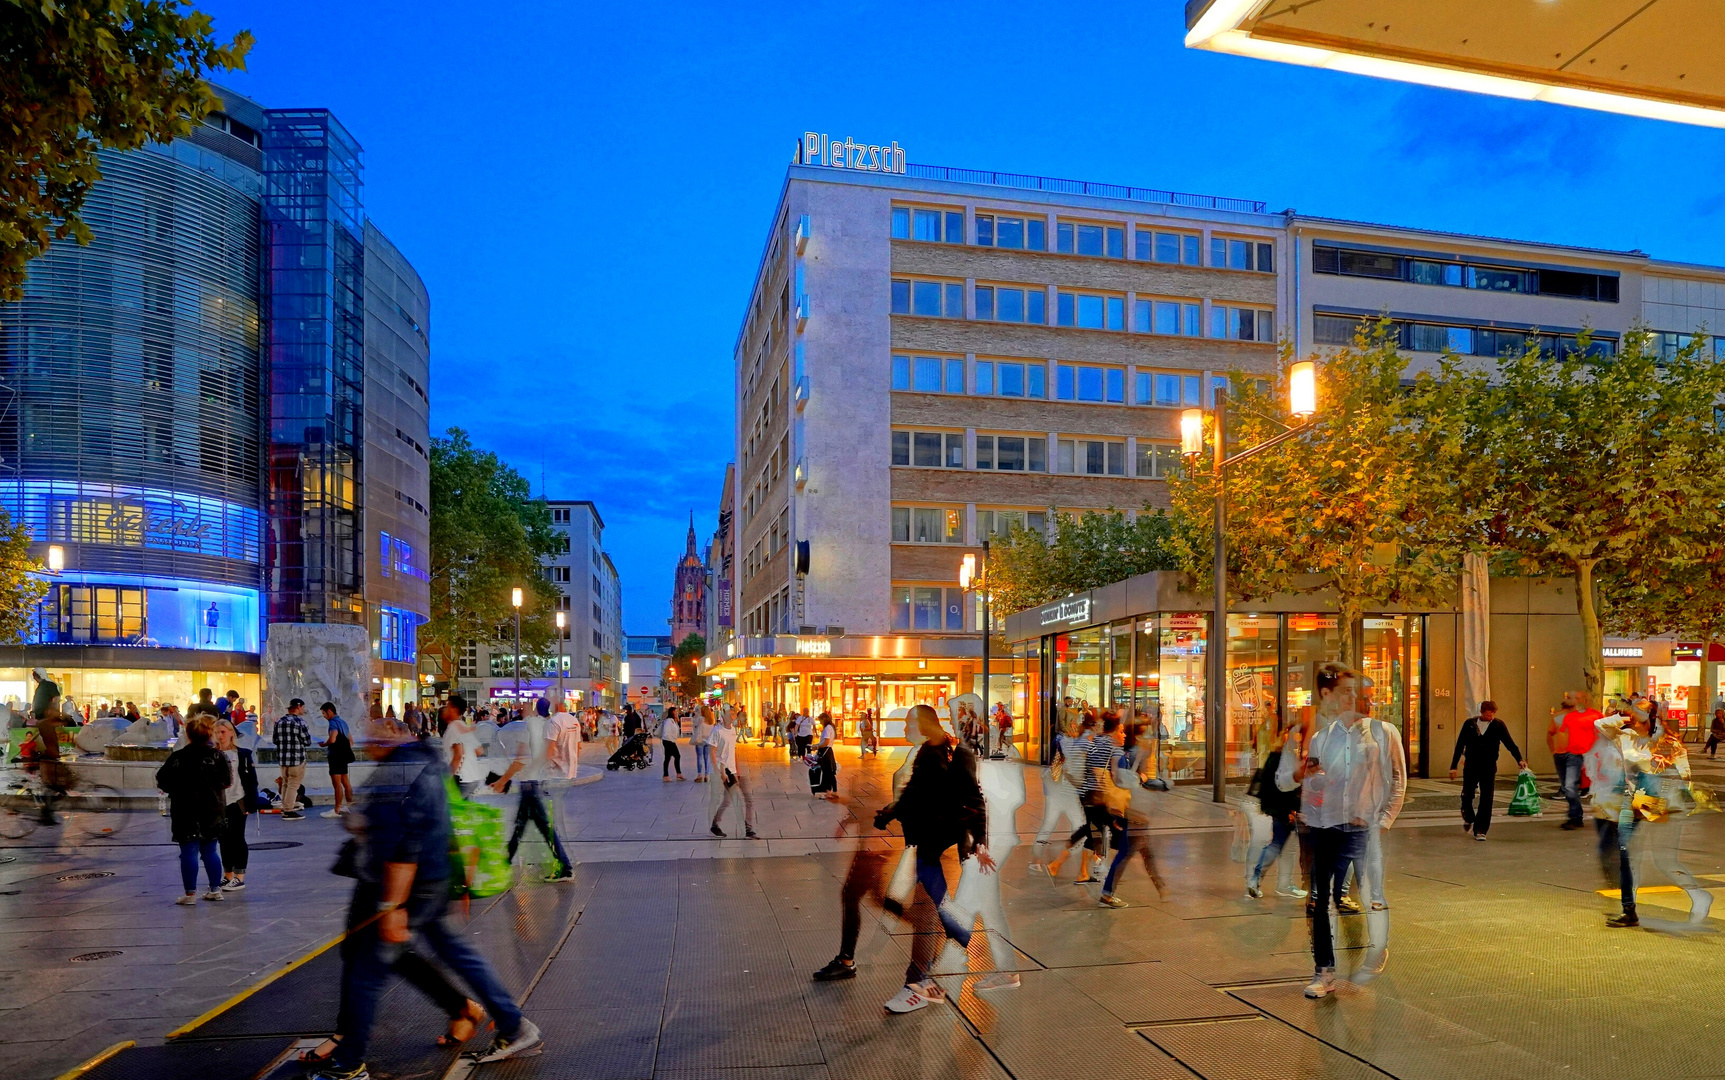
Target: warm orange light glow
point(515, 597)
point(1303, 389)
point(1192, 432)
point(967, 571)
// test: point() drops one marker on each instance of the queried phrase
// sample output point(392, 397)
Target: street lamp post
point(561, 619)
point(515, 601)
point(968, 573)
point(1302, 404)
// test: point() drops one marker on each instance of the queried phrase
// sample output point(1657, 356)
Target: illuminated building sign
point(814, 647)
point(818, 149)
point(113, 515)
point(1074, 612)
point(1623, 652)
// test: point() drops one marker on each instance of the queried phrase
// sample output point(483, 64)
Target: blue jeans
point(1280, 829)
point(368, 962)
point(932, 876)
point(1333, 852)
point(703, 759)
point(1569, 776)
point(190, 852)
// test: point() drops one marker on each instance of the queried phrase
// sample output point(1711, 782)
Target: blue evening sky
point(586, 189)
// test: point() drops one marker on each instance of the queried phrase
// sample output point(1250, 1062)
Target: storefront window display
point(1392, 661)
point(1312, 641)
point(1181, 657)
point(1253, 676)
point(1080, 667)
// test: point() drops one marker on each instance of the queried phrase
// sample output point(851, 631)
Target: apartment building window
point(1242, 255)
point(1157, 461)
point(1167, 388)
point(467, 665)
point(564, 543)
point(1090, 311)
point(935, 299)
point(598, 642)
point(998, 524)
point(1012, 453)
point(1092, 457)
point(932, 226)
point(1463, 340)
point(598, 589)
point(1084, 238)
point(559, 574)
point(1017, 233)
point(559, 515)
point(1242, 324)
point(928, 449)
point(1165, 247)
point(927, 607)
point(928, 374)
point(598, 615)
point(1012, 303)
point(1460, 274)
point(1011, 379)
point(1184, 317)
point(1089, 382)
point(927, 525)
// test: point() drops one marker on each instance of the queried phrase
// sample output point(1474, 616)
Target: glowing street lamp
point(515, 602)
point(1302, 406)
point(56, 558)
point(561, 619)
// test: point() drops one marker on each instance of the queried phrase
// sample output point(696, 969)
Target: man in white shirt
point(805, 733)
point(522, 744)
point(670, 730)
point(563, 734)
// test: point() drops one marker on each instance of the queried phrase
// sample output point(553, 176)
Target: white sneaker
point(1323, 983)
point(1253, 892)
point(527, 1040)
point(1294, 891)
point(1000, 980)
point(215, 894)
point(187, 899)
point(909, 999)
point(329, 813)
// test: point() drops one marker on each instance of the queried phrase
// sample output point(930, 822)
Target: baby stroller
point(631, 755)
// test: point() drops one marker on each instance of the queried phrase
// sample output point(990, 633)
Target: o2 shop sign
point(818, 149)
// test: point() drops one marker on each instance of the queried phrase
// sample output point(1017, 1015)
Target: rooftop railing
point(1083, 187)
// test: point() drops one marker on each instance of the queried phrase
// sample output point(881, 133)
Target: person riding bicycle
point(45, 707)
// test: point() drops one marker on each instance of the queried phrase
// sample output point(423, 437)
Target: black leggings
point(672, 754)
point(235, 852)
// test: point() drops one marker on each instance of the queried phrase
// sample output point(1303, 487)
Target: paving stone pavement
point(688, 957)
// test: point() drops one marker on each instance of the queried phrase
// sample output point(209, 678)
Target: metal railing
point(1083, 187)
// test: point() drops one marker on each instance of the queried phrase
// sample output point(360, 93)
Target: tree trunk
point(1593, 641)
point(1350, 627)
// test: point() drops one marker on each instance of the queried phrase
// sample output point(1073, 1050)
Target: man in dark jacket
point(1480, 739)
point(403, 888)
point(940, 807)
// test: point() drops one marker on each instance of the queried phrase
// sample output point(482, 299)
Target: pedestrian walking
point(461, 745)
point(194, 778)
point(1282, 806)
point(1657, 786)
point(292, 741)
point(1100, 754)
point(339, 745)
point(240, 801)
point(700, 737)
point(826, 761)
point(1341, 778)
point(670, 730)
point(1480, 739)
point(1127, 800)
point(1570, 737)
point(941, 807)
point(977, 895)
point(1061, 783)
point(1716, 730)
point(805, 735)
point(523, 741)
point(402, 888)
point(722, 741)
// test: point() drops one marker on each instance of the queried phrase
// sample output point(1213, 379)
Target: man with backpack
point(941, 807)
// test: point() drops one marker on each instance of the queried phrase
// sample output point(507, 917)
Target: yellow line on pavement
point(255, 987)
point(73, 1074)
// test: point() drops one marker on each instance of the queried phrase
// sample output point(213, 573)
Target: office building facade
point(187, 410)
point(931, 356)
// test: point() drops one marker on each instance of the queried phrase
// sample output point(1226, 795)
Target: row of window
point(1095, 239)
point(1029, 379)
point(1031, 452)
point(1457, 274)
point(1462, 340)
point(937, 299)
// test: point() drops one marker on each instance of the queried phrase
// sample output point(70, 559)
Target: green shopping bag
point(1525, 801)
point(479, 862)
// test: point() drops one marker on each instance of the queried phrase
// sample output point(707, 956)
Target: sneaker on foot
point(1295, 892)
point(750, 833)
point(330, 813)
point(292, 815)
point(335, 1072)
point(525, 1040)
point(999, 980)
point(1323, 983)
point(215, 894)
point(715, 830)
point(932, 991)
point(1253, 892)
point(187, 899)
point(1467, 826)
point(1479, 836)
point(1109, 900)
point(567, 873)
point(1379, 905)
point(909, 999)
point(837, 968)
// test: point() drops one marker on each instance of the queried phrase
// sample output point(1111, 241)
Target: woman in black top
point(194, 777)
point(1281, 807)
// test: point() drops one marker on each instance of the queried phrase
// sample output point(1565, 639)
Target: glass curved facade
point(130, 395)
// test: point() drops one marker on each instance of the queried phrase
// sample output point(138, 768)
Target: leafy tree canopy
point(684, 675)
point(22, 585)
point(78, 76)
point(1087, 551)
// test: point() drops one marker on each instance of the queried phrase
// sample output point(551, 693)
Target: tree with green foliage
point(1352, 506)
point(488, 535)
point(683, 675)
point(1608, 469)
point(22, 584)
point(1027, 568)
point(79, 76)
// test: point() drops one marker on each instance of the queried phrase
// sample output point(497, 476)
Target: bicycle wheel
point(19, 817)
point(102, 810)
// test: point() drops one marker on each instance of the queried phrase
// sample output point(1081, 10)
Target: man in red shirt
point(1571, 736)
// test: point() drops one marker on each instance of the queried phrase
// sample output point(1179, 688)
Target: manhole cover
point(87, 875)
point(84, 958)
point(274, 845)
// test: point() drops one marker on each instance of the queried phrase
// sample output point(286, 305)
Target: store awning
point(1658, 60)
